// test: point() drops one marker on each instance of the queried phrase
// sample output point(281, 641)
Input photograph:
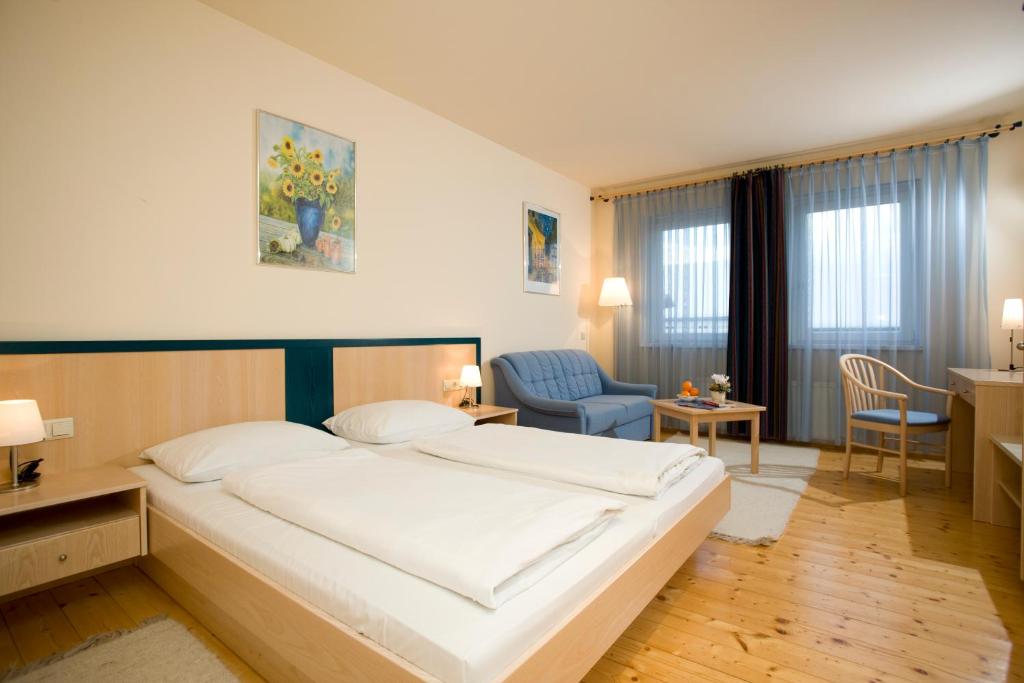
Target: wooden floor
point(864, 586)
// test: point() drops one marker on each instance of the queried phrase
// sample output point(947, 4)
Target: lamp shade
point(614, 292)
point(1013, 314)
point(470, 376)
point(20, 423)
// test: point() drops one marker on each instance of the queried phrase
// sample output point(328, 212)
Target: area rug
point(159, 650)
point(762, 502)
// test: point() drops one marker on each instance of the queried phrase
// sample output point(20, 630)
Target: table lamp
point(470, 378)
point(1013, 319)
point(20, 423)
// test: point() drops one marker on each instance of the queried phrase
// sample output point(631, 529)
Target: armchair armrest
point(521, 393)
point(611, 386)
point(922, 387)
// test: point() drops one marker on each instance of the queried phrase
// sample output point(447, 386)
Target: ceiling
point(609, 91)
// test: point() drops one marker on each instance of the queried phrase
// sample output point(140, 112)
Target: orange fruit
point(694, 391)
point(687, 385)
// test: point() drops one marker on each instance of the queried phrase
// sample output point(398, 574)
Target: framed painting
point(306, 189)
point(541, 265)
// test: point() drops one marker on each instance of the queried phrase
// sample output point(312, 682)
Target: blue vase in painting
point(310, 216)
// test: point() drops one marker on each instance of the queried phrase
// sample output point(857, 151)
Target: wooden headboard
point(125, 396)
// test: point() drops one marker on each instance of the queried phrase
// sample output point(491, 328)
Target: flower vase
point(718, 397)
point(310, 216)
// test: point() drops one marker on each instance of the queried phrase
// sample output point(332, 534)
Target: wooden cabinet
point(497, 414)
point(72, 523)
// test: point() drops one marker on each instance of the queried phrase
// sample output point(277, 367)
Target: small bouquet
point(720, 384)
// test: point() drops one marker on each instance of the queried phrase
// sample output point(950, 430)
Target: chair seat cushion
point(634, 407)
point(890, 416)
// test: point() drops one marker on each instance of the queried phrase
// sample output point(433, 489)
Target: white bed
point(440, 632)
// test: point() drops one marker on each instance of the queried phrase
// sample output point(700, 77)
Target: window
point(696, 284)
point(855, 268)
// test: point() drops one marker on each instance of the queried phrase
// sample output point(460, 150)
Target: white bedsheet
point(444, 634)
point(631, 467)
point(481, 536)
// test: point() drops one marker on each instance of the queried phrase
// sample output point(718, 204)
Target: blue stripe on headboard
point(309, 363)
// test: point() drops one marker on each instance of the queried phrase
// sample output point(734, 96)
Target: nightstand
point(72, 523)
point(497, 414)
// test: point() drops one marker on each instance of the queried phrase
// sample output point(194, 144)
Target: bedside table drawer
point(47, 559)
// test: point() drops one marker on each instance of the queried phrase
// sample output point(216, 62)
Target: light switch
point(59, 428)
point(451, 384)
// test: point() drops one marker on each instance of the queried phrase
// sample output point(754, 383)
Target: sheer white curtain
point(886, 258)
point(672, 247)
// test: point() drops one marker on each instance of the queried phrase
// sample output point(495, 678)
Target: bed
point(443, 635)
point(299, 607)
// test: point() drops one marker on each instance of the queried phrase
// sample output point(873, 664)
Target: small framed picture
point(541, 266)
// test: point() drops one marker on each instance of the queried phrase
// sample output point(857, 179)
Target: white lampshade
point(1013, 314)
point(470, 376)
point(614, 292)
point(20, 423)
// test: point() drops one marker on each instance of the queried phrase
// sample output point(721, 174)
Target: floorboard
point(864, 586)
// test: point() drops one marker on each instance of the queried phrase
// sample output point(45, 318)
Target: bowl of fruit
point(688, 392)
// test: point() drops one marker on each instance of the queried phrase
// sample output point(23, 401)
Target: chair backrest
point(567, 374)
point(869, 372)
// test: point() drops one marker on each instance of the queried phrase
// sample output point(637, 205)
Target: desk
point(987, 403)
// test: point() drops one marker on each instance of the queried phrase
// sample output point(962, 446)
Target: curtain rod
point(990, 131)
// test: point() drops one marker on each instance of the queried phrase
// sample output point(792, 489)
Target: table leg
point(755, 442)
point(657, 425)
point(694, 430)
point(712, 434)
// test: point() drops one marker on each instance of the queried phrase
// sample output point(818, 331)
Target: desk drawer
point(963, 388)
point(47, 559)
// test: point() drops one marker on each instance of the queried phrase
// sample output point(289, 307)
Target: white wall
point(1005, 237)
point(127, 202)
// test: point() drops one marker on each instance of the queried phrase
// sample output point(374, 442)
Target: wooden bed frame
point(280, 635)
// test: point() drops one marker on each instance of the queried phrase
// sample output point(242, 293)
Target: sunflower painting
point(306, 184)
point(541, 268)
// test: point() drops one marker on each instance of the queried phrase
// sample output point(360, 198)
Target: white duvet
point(634, 468)
point(480, 536)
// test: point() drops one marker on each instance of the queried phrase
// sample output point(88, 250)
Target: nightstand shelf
point(496, 414)
point(72, 523)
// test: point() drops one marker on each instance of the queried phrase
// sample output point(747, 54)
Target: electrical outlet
point(59, 428)
point(450, 384)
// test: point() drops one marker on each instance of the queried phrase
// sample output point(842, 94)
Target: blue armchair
point(567, 391)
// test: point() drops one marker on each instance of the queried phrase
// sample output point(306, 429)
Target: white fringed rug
point(762, 502)
point(160, 650)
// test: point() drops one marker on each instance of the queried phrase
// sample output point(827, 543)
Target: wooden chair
point(864, 389)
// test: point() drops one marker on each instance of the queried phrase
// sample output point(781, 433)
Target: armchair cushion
point(631, 407)
point(601, 417)
point(891, 416)
point(565, 375)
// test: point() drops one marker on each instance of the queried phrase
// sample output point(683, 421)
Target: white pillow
point(395, 421)
point(209, 454)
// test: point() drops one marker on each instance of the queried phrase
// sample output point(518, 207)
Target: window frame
point(695, 339)
point(908, 334)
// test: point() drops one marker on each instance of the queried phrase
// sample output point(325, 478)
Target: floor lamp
point(615, 292)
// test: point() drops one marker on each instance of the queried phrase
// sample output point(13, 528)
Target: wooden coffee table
point(732, 411)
